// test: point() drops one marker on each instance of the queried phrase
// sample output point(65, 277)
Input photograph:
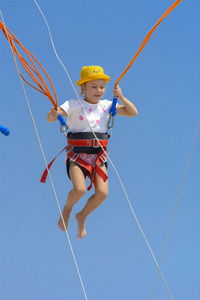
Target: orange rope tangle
point(146, 40)
point(31, 67)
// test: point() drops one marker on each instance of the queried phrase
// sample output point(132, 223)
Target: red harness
point(89, 169)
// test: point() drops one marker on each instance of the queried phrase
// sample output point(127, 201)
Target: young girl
point(84, 155)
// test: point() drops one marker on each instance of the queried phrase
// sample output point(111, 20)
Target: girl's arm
point(127, 109)
point(53, 114)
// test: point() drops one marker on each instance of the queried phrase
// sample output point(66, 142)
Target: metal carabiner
point(63, 128)
point(111, 118)
point(63, 125)
point(112, 112)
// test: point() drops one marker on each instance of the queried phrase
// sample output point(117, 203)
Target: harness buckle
point(95, 143)
point(74, 157)
point(103, 158)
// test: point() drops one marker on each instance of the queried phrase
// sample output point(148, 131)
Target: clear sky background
point(150, 153)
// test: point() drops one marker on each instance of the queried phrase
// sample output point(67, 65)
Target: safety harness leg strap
point(45, 173)
point(89, 169)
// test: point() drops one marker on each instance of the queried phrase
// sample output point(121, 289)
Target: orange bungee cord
point(146, 39)
point(113, 109)
point(31, 67)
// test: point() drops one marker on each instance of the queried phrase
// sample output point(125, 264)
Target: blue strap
point(113, 109)
point(4, 130)
point(62, 121)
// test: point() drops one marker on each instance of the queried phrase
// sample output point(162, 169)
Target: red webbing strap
point(45, 173)
point(87, 143)
point(98, 170)
point(89, 169)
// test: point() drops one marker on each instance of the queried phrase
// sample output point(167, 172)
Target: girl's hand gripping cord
point(55, 114)
point(4, 130)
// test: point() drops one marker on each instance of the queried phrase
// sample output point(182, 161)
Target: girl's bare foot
point(66, 214)
point(81, 232)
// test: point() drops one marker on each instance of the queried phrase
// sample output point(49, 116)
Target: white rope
point(175, 208)
point(55, 49)
point(38, 138)
point(140, 228)
point(107, 155)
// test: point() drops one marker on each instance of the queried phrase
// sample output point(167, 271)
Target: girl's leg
point(101, 192)
point(78, 191)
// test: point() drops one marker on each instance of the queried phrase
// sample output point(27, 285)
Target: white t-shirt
point(97, 115)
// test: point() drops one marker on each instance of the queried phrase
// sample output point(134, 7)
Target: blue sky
point(150, 153)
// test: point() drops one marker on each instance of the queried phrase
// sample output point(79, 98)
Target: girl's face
point(93, 90)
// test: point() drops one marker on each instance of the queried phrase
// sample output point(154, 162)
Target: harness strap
point(89, 169)
point(87, 143)
point(45, 173)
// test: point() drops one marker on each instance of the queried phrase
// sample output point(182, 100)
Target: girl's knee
point(102, 194)
point(79, 191)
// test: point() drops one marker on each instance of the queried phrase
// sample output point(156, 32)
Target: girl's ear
point(82, 89)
